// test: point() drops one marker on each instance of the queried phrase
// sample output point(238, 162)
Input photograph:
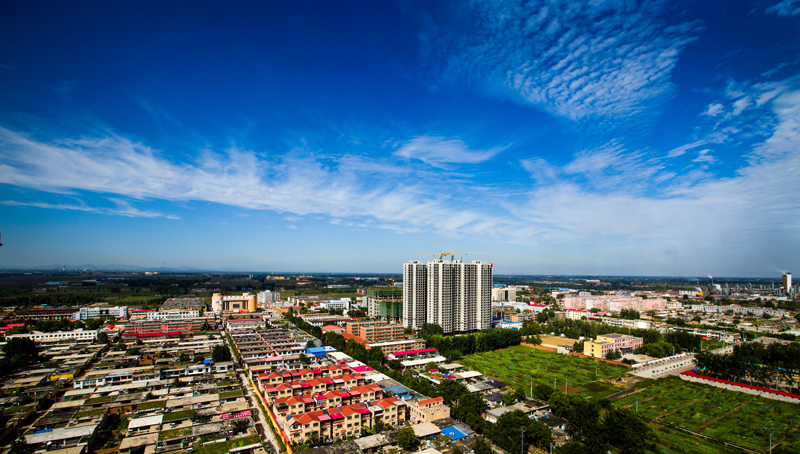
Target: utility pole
point(522, 440)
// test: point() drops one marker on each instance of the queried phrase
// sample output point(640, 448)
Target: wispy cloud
point(65, 87)
point(577, 60)
point(123, 208)
point(785, 8)
point(438, 151)
point(297, 182)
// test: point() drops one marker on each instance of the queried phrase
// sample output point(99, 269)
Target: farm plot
point(734, 417)
point(518, 365)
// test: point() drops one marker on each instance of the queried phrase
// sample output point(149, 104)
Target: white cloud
point(740, 105)
point(123, 208)
point(573, 59)
point(298, 182)
point(679, 151)
point(437, 151)
point(785, 8)
point(713, 109)
point(704, 156)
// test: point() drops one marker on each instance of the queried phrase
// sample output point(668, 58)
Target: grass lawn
point(16, 409)
point(174, 416)
point(518, 365)
point(224, 447)
point(174, 433)
point(152, 404)
point(229, 394)
point(735, 417)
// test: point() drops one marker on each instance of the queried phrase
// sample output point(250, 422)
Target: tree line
point(455, 347)
point(753, 362)
point(581, 328)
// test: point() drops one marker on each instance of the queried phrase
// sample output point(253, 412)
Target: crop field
point(518, 365)
point(731, 416)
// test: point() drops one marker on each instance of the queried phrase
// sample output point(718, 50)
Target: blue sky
point(565, 137)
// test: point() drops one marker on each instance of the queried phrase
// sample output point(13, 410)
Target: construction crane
point(452, 254)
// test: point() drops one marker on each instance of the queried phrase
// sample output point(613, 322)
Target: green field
point(518, 365)
point(731, 416)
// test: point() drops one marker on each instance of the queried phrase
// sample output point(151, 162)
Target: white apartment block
point(614, 303)
point(101, 312)
point(343, 303)
point(268, 297)
point(415, 294)
point(78, 335)
point(173, 314)
point(454, 295)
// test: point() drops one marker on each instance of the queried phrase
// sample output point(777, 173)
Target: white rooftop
point(147, 421)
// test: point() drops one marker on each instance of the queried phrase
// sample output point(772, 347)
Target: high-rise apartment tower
point(452, 294)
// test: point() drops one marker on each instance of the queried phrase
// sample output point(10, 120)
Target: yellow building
point(233, 303)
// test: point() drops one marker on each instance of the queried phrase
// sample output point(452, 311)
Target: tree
point(481, 447)
point(239, 425)
point(451, 390)
point(406, 438)
point(206, 326)
point(221, 354)
point(430, 329)
point(18, 446)
point(19, 351)
point(102, 338)
point(626, 431)
point(612, 355)
point(198, 358)
point(431, 366)
point(303, 358)
point(310, 344)
point(542, 392)
point(506, 432)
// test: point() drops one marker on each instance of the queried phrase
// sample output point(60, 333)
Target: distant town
point(443, 358)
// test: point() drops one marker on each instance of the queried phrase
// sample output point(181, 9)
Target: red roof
point(757, 388)
point(412, 352)
point(430, 401)
point(361, 368)
point(13, 325)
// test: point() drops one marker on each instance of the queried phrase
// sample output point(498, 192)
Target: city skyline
point(566, 138)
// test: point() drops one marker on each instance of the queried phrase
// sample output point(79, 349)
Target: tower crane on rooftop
point(452, 254)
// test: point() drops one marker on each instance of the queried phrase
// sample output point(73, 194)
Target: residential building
point(101, 312)
point(267, 297)
point(606, 343)
point(427, 410)
point(452, 294)
point(385, 303)
point(46, 314)
point(504, 294)
point(398, 345)
point(415, 294)
point(172, 314)
point(59, 337)
point(344, 421)
point(577, 314)
point(375, 331)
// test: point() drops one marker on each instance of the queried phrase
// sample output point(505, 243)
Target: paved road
point(261, 419)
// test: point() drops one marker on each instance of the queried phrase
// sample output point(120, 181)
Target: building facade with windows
point(452, 294)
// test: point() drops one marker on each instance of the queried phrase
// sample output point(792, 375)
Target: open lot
point(518, 365)
point(731, 416)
